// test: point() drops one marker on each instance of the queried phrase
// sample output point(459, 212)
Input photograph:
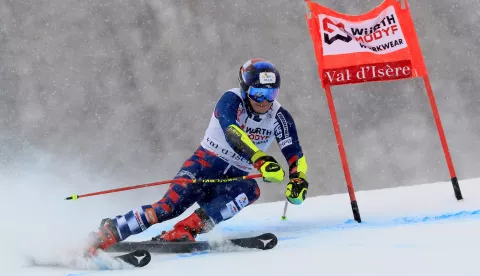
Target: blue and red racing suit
point(216, 158)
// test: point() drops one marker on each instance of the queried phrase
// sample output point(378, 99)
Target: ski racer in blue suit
point(244, 123)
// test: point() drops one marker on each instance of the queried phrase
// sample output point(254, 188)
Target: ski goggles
point(261, 94)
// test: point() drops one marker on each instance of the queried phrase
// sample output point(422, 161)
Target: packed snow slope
point(415, 230)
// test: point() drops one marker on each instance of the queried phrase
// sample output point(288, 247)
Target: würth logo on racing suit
point(258, 134)
point(329, 40)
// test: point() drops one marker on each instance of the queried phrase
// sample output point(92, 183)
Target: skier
point(243, 125)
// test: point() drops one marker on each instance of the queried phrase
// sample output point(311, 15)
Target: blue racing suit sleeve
point(226, 109)
point(289, 143)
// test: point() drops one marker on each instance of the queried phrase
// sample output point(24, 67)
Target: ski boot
point(106, 236)
point(187, 229)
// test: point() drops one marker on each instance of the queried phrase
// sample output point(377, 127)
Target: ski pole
point(284, 217)
point(183, 181)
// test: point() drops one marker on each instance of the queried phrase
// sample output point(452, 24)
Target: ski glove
point(268, 167)
point(296, 191)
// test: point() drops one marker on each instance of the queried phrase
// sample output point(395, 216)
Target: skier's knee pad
point(226, 205)
point(249, 188)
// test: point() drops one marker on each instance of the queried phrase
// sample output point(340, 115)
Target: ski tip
point(284, 218)
point(143, 257)
point(269, 241)
point(137, 258)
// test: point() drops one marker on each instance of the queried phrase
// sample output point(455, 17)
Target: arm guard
point(298, 168)
point(240, 141)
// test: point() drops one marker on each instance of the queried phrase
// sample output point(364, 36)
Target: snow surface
point(416, 230)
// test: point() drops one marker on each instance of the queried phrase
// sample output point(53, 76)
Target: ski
point(264, 242)
point(136, 258)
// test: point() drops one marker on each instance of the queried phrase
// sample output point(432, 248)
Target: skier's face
point(262, 107)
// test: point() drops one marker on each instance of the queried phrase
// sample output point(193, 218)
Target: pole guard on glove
point(296, 191)
point(268, 167)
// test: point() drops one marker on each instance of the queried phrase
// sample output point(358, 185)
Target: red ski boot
point(106, 236)
point(187, 229)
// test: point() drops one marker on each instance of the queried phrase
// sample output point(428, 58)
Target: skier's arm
point(226, 113)
point(287, 138)
point(288, 141)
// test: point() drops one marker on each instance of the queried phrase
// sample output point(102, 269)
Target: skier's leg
point(226, 200)
point(176, 200)
point(219, 202)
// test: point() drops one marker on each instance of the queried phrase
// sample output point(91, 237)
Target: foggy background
point(102, 94)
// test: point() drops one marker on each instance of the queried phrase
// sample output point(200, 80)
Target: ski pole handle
point(183, 181)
